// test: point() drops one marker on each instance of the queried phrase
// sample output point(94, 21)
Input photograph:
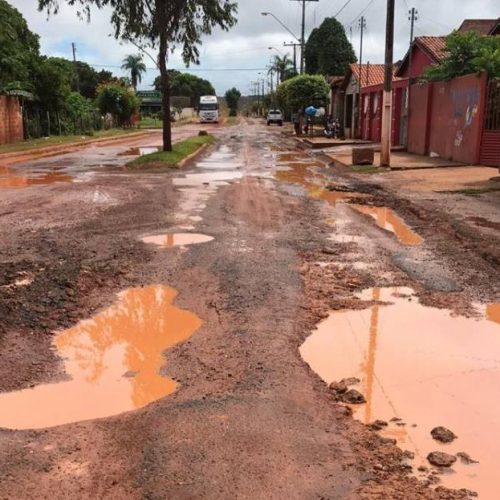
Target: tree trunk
point(165, 92)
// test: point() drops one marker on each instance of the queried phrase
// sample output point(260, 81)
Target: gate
point(490, 144)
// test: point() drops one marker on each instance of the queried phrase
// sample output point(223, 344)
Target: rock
point(362, 156)
point(466, 458)
point(441, 459)
point(353, 397)
point(338, 387)
point(350, 381)
point(442, 434)
point(377, 425)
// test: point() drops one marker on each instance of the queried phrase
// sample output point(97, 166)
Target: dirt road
point(214, 277)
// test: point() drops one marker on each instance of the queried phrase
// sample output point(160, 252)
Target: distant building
point(483, 27)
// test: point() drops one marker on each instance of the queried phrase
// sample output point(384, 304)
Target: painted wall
point(420, 100)
point(11, 120)
point(420, 61)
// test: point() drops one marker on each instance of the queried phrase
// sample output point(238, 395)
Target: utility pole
point(385, 152)
point(303, 32)
point(73, 46)
point(362, 25)
point(294, 45)
point(413, 18)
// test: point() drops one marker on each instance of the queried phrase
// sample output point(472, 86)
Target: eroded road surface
point(185, 334)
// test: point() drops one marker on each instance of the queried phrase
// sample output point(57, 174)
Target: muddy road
point(177, 335)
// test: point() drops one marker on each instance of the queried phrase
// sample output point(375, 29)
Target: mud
point(249, 418)
point(170, 240)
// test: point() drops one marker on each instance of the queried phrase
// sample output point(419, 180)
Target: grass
point(476, 191)
point(171, 159)
point(368, 169)
point(56, 140)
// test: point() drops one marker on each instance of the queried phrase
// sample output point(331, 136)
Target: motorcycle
point(332, 128)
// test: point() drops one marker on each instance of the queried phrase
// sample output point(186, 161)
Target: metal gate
point(490, 144)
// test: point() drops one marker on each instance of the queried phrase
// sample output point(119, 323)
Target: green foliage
point(117, 100)
point(53, 78)
point(302, 91)
point(78, 105)
point(232, 97)
point(187, 85)
point(19, 49)
point(467, 53)
point(282, 65)
point(136, 66)
point(328, 51)
point(180, 151)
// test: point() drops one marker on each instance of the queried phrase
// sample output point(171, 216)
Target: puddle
point(217, 178)
point(21, 181)
point(140, 151)
point(177, 239)
point(425, 366)
point(388, 220)
point(113, 360)
point(313, 183)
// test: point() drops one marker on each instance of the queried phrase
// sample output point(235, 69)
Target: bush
point(117, 100)
point(302, 91)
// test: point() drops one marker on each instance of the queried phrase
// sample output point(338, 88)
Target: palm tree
point(282, 65)
point(134, 64)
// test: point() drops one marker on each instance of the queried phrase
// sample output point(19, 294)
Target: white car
point(275, 116)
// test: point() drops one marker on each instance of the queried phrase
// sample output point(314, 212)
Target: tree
point(136, 66)
point(186, 85)
point(302, 91)
point(52, 81)
point(232, 97)
point(117, 100)
point(164, 25)
point(19, 49)
point(467, 53)
point(281, 65)
point(328, 51)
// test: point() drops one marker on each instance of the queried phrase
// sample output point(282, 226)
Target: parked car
point(275, 116)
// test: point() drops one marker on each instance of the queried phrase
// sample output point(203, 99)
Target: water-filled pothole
point(17, 180)
point(388, 220)
point(425, 366)
point(113, 361)
point(170, 240)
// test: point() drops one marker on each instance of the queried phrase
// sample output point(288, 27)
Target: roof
point(372, 74)
point(483, 27)
point(434, 46)
point(335, 80)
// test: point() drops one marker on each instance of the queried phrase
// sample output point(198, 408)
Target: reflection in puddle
point(21, 181)
point(140, 151)
point(312, 182)
point(425, 366)
point(388, 220)
point(113, 359)
point(177, 239)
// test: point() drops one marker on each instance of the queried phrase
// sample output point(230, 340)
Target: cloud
point(246, 45)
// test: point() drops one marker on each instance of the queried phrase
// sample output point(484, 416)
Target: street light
point(284, 26)
point(277, 50)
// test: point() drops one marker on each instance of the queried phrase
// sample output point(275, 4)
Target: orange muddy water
point(113, 361)
point(177, 239)
point(388, 220)
point(425, 366)
point(12, 179)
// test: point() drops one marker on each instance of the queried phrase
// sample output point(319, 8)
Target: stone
point(442, 434)
point(441, 459)
point(466, 458)
point(350, 381)
point(363, 156)
point(353, 397)
point(377, 425)
point(338, 387)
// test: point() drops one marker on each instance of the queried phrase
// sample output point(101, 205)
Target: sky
point(236, 58)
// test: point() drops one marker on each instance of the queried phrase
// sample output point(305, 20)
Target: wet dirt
point(422, 365)
point(139, 151)
point(170, 240)
point(386, 219)
point(15, 180)
point(113, 362)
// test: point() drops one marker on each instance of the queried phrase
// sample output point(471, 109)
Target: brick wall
point(11, 121)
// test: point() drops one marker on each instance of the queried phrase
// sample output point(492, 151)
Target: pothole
point(113, 361)
point(421, 366)
point(18, 180)
point(387, 219)
point(170, 240)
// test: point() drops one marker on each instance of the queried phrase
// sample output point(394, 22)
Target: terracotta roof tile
point(373, 74)
point(480, 26)
point(435, 46)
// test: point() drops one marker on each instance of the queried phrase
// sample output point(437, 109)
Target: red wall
point(420, 61)
point(446, 118)
point(11, 121)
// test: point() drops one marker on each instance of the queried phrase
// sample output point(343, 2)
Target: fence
point(490, 145)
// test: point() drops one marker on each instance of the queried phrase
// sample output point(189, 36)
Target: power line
point(183, 69)
point(361, 13)
point(343, 7)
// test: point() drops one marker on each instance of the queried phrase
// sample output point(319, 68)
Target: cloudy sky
point(235, 58)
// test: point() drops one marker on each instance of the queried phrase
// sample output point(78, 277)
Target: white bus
point(209, 109)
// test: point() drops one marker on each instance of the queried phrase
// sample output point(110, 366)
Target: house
point(425, 51)
point(483, 27)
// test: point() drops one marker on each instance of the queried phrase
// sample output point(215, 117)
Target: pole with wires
point(413, 18)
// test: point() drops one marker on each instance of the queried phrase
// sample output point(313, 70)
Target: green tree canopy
point(232, 97)
point(302, 91)
point(328, 51)
point(467, 53)
point(136, 66)
point(19, 48)
point(283, 65)
point(163, 26)
point(118, 100)
point(187, 85)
